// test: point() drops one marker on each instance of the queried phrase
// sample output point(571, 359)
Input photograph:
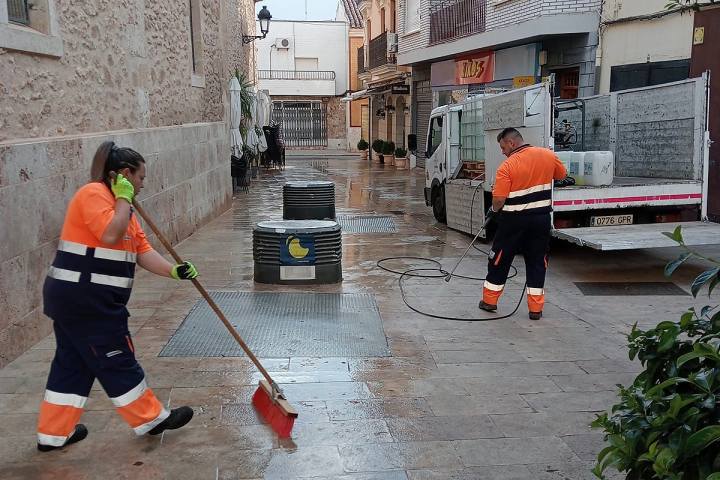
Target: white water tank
point(598, 168)
point(594, 168)
point(574, 163)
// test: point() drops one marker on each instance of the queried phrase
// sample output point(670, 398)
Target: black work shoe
point(535, 315)
point(487, 307)
point(177, 418)
point(79, 434)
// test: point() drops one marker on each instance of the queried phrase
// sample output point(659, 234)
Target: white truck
point(656, 139)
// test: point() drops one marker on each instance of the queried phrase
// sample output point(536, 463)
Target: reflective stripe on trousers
point(528, 235)
point(78, 361)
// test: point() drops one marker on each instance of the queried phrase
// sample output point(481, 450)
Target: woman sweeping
point(86, 293)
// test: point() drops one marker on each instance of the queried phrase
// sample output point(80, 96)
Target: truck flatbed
point(635, 182)
point(629, 237)
point(628, 192)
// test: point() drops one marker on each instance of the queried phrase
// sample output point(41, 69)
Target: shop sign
point(478, 68)
point(400, 89)
point(523, 81)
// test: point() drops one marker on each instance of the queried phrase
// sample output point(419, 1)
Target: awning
point(387, 87)
point(355, 96)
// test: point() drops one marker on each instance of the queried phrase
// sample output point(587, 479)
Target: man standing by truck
point(521, 202)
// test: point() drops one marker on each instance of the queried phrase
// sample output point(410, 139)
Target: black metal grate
point(379, 55)
point(620, 289)
point(366, 224)
point(304, 124)
point(277, 325)
point(296, 75)
point(451, 19)
point(18, 11)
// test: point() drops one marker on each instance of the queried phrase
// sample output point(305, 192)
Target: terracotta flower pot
point(390, 160)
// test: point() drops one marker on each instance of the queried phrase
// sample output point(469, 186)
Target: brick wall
point(498, 15)
point(415, 40)
point(511, 13)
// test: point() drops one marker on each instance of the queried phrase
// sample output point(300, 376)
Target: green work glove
point(122, 188)
point(184, 271)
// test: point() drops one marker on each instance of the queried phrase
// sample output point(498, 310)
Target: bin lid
point(298, 226)
point(309, 184)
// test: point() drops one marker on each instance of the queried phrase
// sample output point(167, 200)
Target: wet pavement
point(508, 400)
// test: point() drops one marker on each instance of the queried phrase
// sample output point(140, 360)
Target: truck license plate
point(609, 220)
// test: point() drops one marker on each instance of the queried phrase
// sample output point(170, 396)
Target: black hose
point(441, 273)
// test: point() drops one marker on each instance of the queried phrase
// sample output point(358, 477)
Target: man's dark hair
point(508, 133)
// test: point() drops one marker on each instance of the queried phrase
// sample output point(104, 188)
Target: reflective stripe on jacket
point(525, 180)
point(89, 278)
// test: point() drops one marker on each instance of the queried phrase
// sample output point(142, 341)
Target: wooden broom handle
point(204, 293)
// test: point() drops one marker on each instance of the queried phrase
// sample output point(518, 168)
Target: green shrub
point(362, 145)
point(378, 145)
point(667, 423)
point(388, 148)
point(400, 152)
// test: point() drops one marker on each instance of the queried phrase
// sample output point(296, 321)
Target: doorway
point(567, 82)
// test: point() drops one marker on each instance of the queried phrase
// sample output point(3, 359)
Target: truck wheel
point(438, 204)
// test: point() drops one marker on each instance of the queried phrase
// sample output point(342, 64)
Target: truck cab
point(442, 155)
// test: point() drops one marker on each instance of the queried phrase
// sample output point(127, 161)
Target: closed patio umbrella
point(236, 141)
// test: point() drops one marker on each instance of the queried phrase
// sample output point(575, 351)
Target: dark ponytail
point(109, 158)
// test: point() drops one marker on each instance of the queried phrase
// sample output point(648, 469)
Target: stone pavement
point(502, 400)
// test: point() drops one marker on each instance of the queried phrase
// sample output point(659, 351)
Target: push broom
point(268, 399)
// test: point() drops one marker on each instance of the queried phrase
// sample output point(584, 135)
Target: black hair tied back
point(111, 158)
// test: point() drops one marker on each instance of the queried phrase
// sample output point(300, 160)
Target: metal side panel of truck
point(659, 139)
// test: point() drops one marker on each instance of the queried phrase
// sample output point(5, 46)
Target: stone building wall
point(337, 128)
point(125, 73)
point(126, 64)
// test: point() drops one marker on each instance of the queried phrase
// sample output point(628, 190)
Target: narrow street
point(436, 399)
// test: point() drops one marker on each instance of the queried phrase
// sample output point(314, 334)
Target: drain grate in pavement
point(276, 324)
point(366, 224)
point(629, 288)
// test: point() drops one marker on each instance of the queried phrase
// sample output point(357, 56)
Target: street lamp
point(264, 18)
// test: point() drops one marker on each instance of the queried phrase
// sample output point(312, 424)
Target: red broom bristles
point(273, 414)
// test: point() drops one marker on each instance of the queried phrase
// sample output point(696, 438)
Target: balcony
point(361, 59)
point(297, 82)
point(296, 75)
point(379, 55)
point(453, 19)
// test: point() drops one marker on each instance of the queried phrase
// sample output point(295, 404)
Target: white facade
point(668, 37)
point(304, 58)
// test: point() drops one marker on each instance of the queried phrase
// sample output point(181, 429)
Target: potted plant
point(401, 160)
point(377, 147)
point(389, 153)
point(363, 147)
point(665, 425)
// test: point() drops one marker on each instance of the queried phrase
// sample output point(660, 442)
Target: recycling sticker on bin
point(297, 250)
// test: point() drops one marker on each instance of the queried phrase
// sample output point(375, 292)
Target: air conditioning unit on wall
point(282, 43)
point(392, 42)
